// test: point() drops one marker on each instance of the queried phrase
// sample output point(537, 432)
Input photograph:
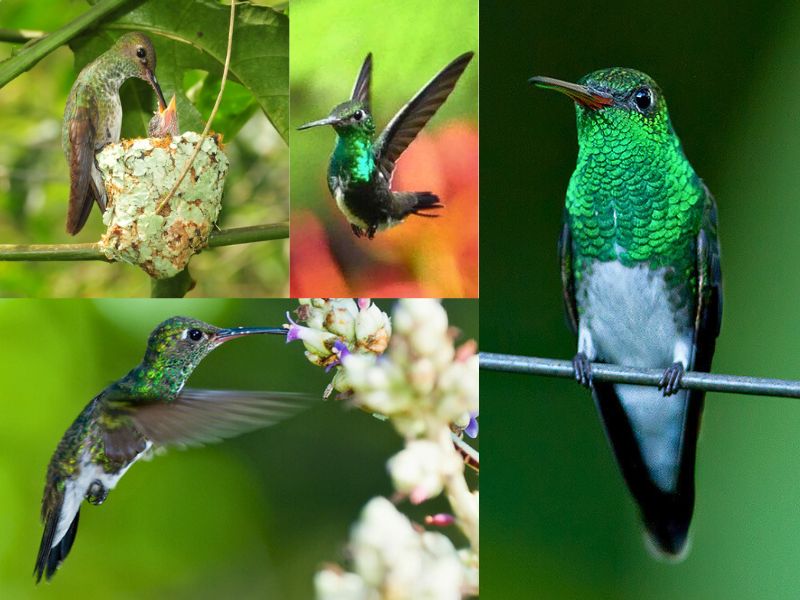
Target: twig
point(203, 136)
point(29, 56)
point(91, 251)
point(737, 384)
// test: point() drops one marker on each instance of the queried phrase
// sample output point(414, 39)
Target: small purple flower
point(440, 520)
point(363, 303)
point(294, 330)
point(341, 350)
point(472, 427)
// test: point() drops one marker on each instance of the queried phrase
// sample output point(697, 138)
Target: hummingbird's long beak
point(151, 79)
point(318, 123)
point(581, 94)
point(223, 335)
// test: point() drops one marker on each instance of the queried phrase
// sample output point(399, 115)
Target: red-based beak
point(581, 94)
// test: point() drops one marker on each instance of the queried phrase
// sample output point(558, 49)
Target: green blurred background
point(557, 519)
point(410, 42)
point(253, 517)
point(34, 183)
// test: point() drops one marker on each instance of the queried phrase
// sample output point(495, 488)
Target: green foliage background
point(253, 517)
point(33, 172)
point(557, 519)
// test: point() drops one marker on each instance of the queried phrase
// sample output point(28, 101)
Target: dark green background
point(557, 520)
point(252, 517)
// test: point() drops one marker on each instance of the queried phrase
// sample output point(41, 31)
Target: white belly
point(627, 319)
point(76, 488)
point(338, 195)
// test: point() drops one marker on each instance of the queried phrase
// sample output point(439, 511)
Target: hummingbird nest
point(138, 174)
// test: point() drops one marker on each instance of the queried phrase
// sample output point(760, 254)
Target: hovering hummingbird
point(149, 407)
point(640, 268)
point(93, 118)
point(164, 121)
point(361, 167)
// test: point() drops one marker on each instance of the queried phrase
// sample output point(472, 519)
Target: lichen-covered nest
point(138, 174)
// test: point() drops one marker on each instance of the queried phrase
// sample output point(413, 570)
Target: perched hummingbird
point(361, 167)
point(640, 268)
point(164, 121)
point(147, 407)
point(93, 118)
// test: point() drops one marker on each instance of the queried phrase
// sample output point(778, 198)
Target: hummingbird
point(642, 286)
point(164, 121)
point(361, 167)
point(93, 118)
point(147, 408)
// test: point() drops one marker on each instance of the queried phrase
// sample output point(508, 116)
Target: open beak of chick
point(164, 121)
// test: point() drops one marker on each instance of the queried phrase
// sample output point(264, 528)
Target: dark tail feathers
point(50, 557)
point(425, 201)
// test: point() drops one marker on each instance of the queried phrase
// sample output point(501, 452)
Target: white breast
point(627, 319)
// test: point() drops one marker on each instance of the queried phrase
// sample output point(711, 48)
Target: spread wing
point(708, 317)
point(361, 89)
point(408, 122)
point(567, 276)
point(204, 416)
point(82, 193)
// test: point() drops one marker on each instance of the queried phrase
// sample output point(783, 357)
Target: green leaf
point(193, 34)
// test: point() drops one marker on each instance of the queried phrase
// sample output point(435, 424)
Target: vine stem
point(203, 136)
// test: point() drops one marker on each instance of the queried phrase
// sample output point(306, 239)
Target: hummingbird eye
point(643, 98)
point(195, 335)
point(358, 115)
point(141, 52)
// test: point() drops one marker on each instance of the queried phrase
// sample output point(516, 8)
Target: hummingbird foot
point(356, 230)
point(670, 381)
point(97, 493)
point(371, 231)
point(582, 368)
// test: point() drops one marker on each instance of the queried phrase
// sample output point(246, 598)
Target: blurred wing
point(361, 89)
point(408, 122)
point(708, 318)
point(567, 276)
point(82, 137)
point(204, 416)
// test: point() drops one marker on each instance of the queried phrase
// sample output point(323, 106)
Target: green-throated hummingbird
point(148, 407)
point(361, 167)
point(93, 118)
point(640, 268)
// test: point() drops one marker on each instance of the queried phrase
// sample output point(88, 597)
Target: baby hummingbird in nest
point(147, 408)
point(93, 118)
point(640, 269)
point(164, 121)
point(361, 167)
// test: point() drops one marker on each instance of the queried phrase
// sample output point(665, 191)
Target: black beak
point(223, 335)
point(151, 79)
point(318, 123)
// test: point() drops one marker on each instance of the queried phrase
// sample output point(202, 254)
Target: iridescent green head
point(174, 349)
point(347, 118)
point(138, 59)
point(616, 103)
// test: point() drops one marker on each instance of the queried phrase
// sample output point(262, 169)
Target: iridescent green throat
point(633, 197)
point(353, 155)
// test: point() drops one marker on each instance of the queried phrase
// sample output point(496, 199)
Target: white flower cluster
point(424, 382)
point(394, 560)
point(427, 387)
point(337, 327)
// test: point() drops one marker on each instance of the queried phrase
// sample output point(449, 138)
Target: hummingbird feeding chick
point(361, 167)
point(642, 285)
point(147, 408)
point(93, 118)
